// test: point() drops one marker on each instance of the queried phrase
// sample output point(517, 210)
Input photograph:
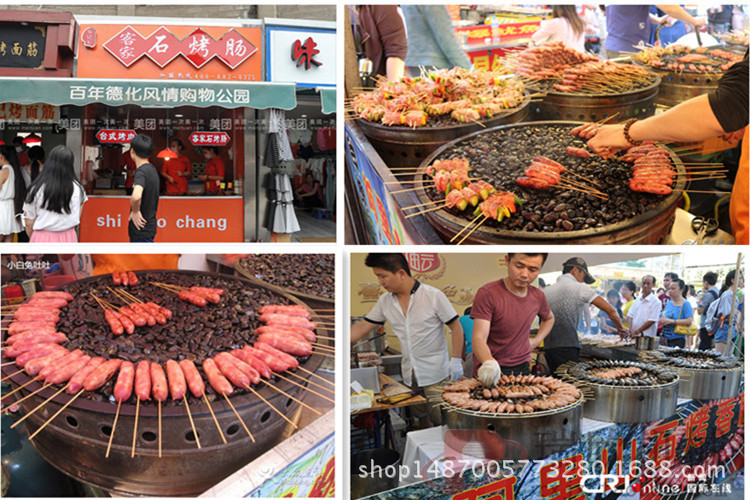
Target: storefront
point(200, 84)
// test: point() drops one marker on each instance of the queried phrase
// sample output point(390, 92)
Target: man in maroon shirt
point(503, 312)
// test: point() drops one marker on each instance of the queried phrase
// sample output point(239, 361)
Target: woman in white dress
point(12, 194)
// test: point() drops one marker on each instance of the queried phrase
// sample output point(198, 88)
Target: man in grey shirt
point(710, 293)
point(567, 298)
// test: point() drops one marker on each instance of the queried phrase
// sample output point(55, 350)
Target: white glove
point(489, 373)
point(457, 369)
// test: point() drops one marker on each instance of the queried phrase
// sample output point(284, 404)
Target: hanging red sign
point(109, 136)
point(162, 47)
point(209, 139)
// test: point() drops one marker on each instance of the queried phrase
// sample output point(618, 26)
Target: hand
point(489, 373)
point(457, 369)
point(733, 136)
point(624, 334)
point(138, 221)
point(699, 22)
point(608, 140)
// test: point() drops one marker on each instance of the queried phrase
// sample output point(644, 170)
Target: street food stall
point(200, 83)
point(394, 154)
point(663, 421)
point(193, 399)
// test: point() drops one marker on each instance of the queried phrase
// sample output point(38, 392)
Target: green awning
point(327, 99)
point(166, 93)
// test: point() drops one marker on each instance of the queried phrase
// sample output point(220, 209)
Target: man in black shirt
point(145, 198)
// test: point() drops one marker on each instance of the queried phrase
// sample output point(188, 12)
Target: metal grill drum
point(75, 442)
point(539, 434)
point(708, 384)
point(407, 147)
point(679, 87)
point(639, 103)
point(631, 404)
point(651, 227)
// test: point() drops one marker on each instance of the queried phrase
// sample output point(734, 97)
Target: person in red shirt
point(127, 163)
point(503, 312)
point(215, 170)
point(177, 170)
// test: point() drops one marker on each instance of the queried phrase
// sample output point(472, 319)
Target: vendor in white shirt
point(643, 315)
point(417, 314)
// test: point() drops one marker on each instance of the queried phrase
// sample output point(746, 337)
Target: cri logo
point(591, 483)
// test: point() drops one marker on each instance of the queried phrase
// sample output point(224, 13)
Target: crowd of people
point(493, 337)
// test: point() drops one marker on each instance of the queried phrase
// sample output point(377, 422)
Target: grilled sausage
point(65, 373)
point(143, 380)
point(53, 295)
point(211, 297)
point(124, 384)
point(146, 313)
point(132, 278)
point(581, 153)
point(54, 364)
point(193, 298)
point(288, 360)
point(37, 352)
point(19, 348)
point(218, 382)
point(114, 324)
point(274, 363)
point(193, 378)
point(176, 379)
point(127, 324)
point(306, 334)
point(136, 317)
point(203, 289)
point(36, 365)
point(281, 319)
point(225, 363)
point(33, 336)
point(124, 278)
point(289, 310)
point(48, 303)
point(159, 387)
point(18, 327)
point(76, 381)
point(101, 374)
point(286, 344)
point(116, 278)
point(258, 365)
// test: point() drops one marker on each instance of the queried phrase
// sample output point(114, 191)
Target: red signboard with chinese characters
point(209, 138)
point(171, 52)
point(304, 54)
point(504, 32)
point(109, 136)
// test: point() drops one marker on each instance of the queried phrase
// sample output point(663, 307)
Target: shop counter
point(206, 219)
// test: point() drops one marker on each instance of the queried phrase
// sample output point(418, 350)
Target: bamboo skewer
point(135, 425)
point(311, 382)
point(466, 227)
point(11, 375)
point(316, 375)
point(426, 211)
point(114, 426)
point(474, 229)
point(158, 406)
point(190, 417)
point(21, 387)
point(239, 418)
point(305, 388)
point(272, 406)
point(422, 204)
point(215, 419)
point(323, 346)
point(291, 397)
point(7, 410)
point(37, 407)
point(55, 415)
